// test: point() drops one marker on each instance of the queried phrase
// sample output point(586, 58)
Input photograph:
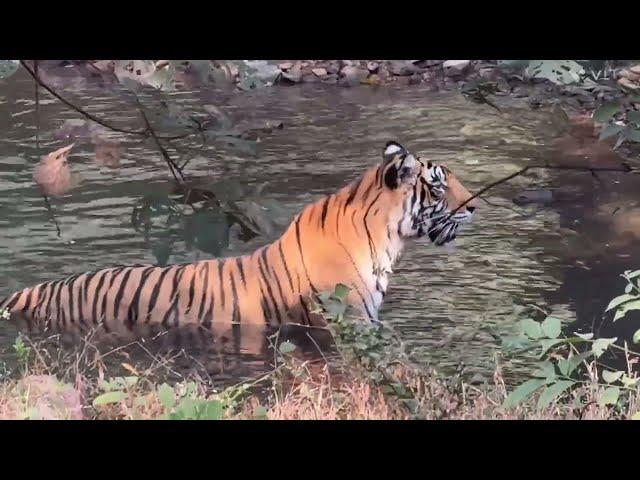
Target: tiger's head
point(429, 193)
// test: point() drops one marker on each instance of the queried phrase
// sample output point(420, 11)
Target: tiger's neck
point(345, 238)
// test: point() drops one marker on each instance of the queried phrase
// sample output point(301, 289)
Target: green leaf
point(552, 392)
point(261, 413)
point(109, 397)
point(585, 336)
point(636, 336)
point(634, 117)
point(606, 111)
point(523, 392)
point(551, 327)
point(627, 381)
point(532, 329)
point(545, 370)
point(610, 131)
point(341, 292)
point(286, 347)
point(610, 396)
point(620, 300)
point(601, 344)
point(8, 68)
point(632, 274)
point(167, 396)
point(625, 308)
point(611, 377)
point(567, 366)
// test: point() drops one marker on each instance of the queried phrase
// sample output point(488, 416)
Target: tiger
point(352, 237)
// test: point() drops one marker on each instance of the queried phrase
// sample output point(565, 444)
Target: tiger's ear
point(403, 171)
point(391, 150)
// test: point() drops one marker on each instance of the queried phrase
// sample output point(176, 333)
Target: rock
point(402, 68)
point(428, 63)
point(629, 84)
point(415, 79)
point(373, 66)
point(319, 72)
point(294, 74)
point(333, 67)
point(635, 69)
point(454, 68)
point(488, 73)
point(309, 78)
point(330, 79)
point(372, 80)
point(352, 75)
point(285, 65)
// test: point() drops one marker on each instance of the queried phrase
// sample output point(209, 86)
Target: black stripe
point(275, 277)
point(220, 267)
point(96, 295)
point(120, 293)
point(73, 301)
point(154, 293)
point(305, 310)
point(352, 194)
point(38, 311)
point(266, 312)
point(235, 316)
point(191, 291)
point(313, 288)
point(268, 284)
point(203, 298)
point(323, 217)
point(135, 301)
point(284, 262)
point(175, 298)
point(241, 269)
point(58, 302)
point(27, 303)
point(116, 271)
point(13, 300)
point(372, 247)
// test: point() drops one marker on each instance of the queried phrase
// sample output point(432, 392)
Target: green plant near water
point(569, 366)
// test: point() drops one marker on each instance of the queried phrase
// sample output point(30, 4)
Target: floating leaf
point(551, 327)
point(524, 391)
point(606, 111)
point(610, 376)
point(8, 68)
point(636, 336)
point(610, 396)
point(109, 397)
point(552, 392)
point(601, 344)
point(286, 347)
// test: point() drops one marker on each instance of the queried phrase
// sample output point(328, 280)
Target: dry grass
point(65, 387)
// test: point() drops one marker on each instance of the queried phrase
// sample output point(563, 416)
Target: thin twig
point(78, 109)
point(534, 167)
point(172, 166)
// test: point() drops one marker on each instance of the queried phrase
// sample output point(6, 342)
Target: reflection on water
point(507, 259)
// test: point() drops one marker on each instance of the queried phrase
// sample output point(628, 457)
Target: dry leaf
point(107, 154)
point(53, 174)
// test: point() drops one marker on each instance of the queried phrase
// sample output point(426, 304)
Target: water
point(508, 259)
